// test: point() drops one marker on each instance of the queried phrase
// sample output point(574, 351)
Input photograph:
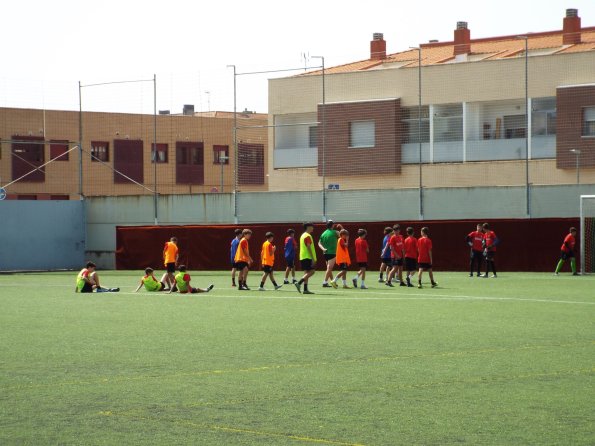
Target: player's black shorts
point(476, 254)
point(328, 257)
point(234, 265)
point(566, 255)
point(397, 262)
point(362, 264)
point(290, 262)
point(425, 266)
point(241, 265)
point(267, 268)
point(306, 264)
point(87, 288)
point(343, 266)
point(490, 255)
point(171, 267)
point(386, 260)
point(410, 264)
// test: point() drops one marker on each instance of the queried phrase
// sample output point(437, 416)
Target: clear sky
point(48, 46)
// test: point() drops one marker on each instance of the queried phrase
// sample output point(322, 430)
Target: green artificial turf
point(474, 361)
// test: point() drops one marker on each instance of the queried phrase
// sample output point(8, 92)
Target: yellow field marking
point(215, 427)
point(264, 368)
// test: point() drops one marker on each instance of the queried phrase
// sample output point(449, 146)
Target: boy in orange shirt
point(170, 259)
point(243, 260)
point(267, 259)
point(343, 259)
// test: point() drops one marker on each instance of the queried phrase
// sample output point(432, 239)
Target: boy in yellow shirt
point(151, 283)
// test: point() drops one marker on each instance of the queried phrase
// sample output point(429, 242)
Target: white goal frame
point(582, 233)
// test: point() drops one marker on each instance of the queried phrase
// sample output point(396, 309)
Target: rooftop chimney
point(378, 47)
point(571, 28)
point(462, 39)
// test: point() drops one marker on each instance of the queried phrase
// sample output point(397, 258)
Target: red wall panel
point(526, 245)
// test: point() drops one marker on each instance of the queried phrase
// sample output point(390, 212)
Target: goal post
point(587, 233)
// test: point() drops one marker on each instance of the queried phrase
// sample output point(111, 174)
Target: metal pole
point(578, 168)
point(323, 122)
point(155, 154)
point(235, 147)
point(527, 184)
point(80, 142)
point(421, 193)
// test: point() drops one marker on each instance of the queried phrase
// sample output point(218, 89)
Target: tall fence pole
point(154, 151)
point(323, 122)
point(235, 147)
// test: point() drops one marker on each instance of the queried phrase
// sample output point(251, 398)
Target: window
point(313, 137)
point(27, 158)
point(448, 123)
point(59, 150)
point(412, 118)
point(589, 121)
point(220, 154)
point(362, 134)
point(161, 155)
point(128, 161)
point(543, 117)
point(59, 197)
point(189, 162)
point(100, 151)
point(251, 163)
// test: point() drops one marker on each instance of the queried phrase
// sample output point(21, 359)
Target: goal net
point(587, 236)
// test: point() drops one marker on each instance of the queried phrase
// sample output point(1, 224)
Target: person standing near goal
point(567, 252)
point(490, 241)
point(475, 241)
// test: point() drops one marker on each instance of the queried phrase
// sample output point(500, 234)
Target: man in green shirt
point(328, 244)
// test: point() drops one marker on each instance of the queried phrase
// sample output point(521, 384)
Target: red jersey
point(489, 239)
point(569, 243)
point(424, 246)
point(411, 247)
point(361, 250)
point(396, 246)
point(476, 238)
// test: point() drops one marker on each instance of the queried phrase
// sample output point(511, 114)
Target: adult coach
point(567, 252)
point(475, 241)
point(328, 245)
point(307, 258)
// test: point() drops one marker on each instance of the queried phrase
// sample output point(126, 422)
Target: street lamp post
point(577, 152)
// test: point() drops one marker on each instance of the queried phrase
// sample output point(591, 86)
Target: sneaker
point(434, 284)
point(556, 274)
point(494, 276)
point(354, 283)
point(101, 290)
point(380, 280)
point(471, 275)
point(364, 287)
point(575, 274)
point(210, 287)
point(278, 286)
point(260, 288)
point(298, 286)
point(419, 285)
point(402, 284)
point(294, 281)
point(326, 285)
point(409, 284)
point(233, 284)
point(389, 284)
point(485, 276)
point(308, 292)
point(286, 282)
point(347, 287)
point(246, 288)
point(334, 285)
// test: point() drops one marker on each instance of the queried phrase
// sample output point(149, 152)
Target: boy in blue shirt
point(234, 247)
point(290, 247)
point(385, 254)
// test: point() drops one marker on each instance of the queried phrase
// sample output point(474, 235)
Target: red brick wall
point(569, 127)
point(340, 159)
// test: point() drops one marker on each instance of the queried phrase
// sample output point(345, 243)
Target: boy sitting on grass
point(87, 280)
point(183, 283)
point(151, 283)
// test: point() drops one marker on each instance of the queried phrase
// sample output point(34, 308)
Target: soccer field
point(474, 361)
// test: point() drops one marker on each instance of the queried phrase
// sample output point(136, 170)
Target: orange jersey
point(170, 253)
point(342, 252)
point(267, 254)
point(243, 252)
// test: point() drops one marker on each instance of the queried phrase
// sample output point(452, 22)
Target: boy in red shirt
point(567, 252)
point(410, 244)
point(475, 241)
point(490, 241)
point(424, 259)
point(267, 259)
point(397, 249)
point(361, 257)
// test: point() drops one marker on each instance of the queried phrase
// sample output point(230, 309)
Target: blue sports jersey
point(289, 248)
point(385, 252)
point(234, 247)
